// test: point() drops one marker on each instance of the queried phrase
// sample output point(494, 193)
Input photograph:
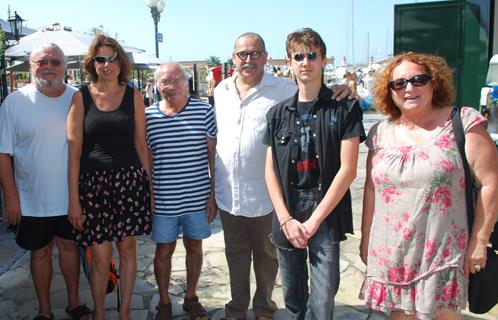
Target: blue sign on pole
point(159, 37)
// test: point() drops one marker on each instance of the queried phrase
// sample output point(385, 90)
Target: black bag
point(483, 285)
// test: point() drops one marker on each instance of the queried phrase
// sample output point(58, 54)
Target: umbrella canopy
point(141, 60)
point(71, 42)
point(74, 45)
point(19, 67)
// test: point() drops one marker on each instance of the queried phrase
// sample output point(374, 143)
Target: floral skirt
point(116, 204)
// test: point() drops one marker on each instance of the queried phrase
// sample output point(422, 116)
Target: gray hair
point(169, 64)
point(250, 34)
point(46, 46)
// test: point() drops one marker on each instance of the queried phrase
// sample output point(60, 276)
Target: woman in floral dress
point(415, 238)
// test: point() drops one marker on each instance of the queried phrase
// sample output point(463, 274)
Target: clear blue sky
point(195, 30)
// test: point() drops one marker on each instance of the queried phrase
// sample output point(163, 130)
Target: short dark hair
point(102, 40)
point(436, 67)
point(307, 37)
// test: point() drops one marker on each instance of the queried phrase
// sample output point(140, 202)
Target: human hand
point(341, 91)
point(475, 257)
point(211, 208)
point(152, 203)
point(311, 226)
point(364, 249)
point(296, 233)
point(13, 208)
point(75, 215)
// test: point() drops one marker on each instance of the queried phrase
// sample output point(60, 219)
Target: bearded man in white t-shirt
point(33, 135)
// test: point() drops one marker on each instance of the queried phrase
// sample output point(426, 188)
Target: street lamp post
point(156, 7)
point(15, 22)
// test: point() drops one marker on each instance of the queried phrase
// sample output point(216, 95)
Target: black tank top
point(108, 136)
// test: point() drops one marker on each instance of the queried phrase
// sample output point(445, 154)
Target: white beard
point(47, 84)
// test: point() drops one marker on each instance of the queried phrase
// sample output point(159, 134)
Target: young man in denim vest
point(312, 155)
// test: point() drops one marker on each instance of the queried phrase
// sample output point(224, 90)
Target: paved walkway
point(18, 299)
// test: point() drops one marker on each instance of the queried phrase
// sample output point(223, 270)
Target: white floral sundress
point(419, 231)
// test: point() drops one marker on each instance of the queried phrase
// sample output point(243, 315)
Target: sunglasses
point(418, 80)
point(310, 55)
point(255, 55)
point(104, 59)
point(45, 62)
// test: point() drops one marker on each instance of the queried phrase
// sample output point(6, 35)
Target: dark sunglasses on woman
point(418, 80)
point(104, 59)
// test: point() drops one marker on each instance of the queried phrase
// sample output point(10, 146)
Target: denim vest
point(331, 122)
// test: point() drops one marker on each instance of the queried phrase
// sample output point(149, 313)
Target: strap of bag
point(469, 179)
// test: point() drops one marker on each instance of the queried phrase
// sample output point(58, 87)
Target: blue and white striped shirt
point(178, 145)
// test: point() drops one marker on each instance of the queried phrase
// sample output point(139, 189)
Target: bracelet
point(287, 220)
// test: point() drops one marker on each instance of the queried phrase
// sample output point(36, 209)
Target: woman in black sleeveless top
point(109, 169)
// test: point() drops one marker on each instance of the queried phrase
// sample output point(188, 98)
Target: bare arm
point(75, 142)
point(11, 196)
point(483, 161)
point(139, 135)
point(338, 187)
point(140, 141)
point(211, 209)
point(294, 230)
point(368, 209)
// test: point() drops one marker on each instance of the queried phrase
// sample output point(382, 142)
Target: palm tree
point(213, 61)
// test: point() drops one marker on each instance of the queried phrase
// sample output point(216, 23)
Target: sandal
point(79, 312)
point(44, 317)
point(194, 309)
point(164, 311)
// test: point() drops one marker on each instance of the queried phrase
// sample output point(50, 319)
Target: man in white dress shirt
point(242, 198)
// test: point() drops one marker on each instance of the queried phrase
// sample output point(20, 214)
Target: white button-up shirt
point(240, 152)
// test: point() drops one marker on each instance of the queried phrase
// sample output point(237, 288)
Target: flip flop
point(78, 312)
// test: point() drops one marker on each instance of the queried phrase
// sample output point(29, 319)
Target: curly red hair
point(436, 67)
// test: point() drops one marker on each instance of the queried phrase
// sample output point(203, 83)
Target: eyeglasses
point(418, 80)
point(45, 62)
point(255, 55)
point(310, 55)
point(171, 82)
point(104, 59)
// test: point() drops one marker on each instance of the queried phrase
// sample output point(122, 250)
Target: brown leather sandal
point(194, 309)
point(164, 312)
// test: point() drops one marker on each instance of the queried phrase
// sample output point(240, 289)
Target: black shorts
point(35, 233)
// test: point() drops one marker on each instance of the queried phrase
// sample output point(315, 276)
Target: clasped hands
point(299, 233)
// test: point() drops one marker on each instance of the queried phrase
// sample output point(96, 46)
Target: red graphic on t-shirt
point(307, 165)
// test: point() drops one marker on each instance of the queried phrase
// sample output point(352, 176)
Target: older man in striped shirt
point(181, 133)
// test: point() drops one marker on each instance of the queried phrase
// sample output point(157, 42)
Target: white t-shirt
point(33, 131)
point(240, 152)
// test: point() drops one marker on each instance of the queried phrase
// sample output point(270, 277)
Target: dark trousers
point(247, 239)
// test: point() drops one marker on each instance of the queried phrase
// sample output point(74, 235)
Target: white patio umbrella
point(142, 60)
point(73, 43)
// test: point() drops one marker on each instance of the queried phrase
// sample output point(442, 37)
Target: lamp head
point(160, 6)
point(151, 3)
point(15, 22)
